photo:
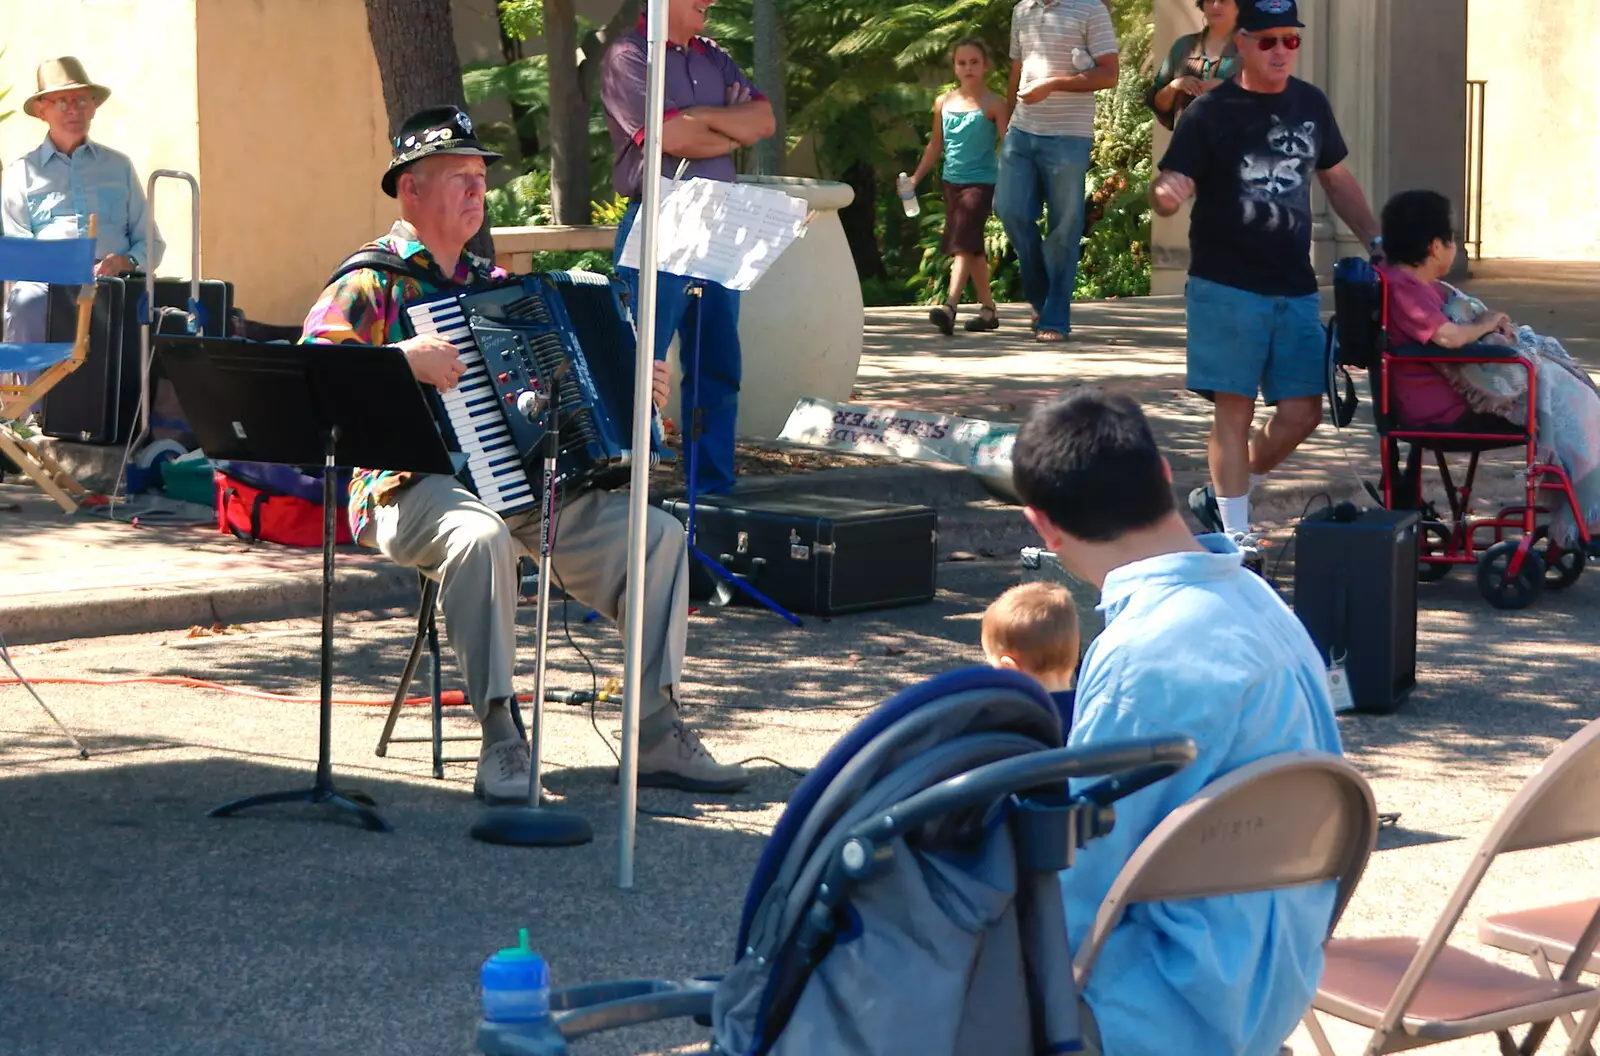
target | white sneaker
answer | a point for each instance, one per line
(503, 772)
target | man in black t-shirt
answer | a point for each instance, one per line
(1246, 151)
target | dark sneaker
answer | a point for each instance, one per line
(1203, 504)
(680, 761)
(1252, 546)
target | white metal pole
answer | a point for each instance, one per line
(639, 493)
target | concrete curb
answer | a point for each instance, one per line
(970, 519)
(94, 614)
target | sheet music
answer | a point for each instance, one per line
(727, 233)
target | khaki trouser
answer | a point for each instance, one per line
(441, 528)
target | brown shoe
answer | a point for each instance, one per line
(680, 761)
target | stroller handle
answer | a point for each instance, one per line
(1149, 758)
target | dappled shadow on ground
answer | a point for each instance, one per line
(137, 925)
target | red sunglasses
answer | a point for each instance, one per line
(1290, 41)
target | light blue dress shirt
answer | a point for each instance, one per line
(1196, 645)
(48, 194)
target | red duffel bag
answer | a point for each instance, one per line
(265, 508)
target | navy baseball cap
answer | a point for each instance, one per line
(1256, 15)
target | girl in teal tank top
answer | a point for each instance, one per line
(969, 121)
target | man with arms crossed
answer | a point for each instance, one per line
(1246, 152)
(712, 110)
(1194, 645)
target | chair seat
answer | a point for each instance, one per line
(1462, 994)
(1554, 929)
(32, 356)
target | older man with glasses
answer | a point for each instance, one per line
(52, 191)
(1246, 152)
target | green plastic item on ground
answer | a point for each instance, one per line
(189, 480)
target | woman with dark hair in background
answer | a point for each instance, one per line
(1420, 245)
(1197, 63)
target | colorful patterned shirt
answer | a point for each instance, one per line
(363, 307)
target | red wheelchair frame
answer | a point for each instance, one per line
(1520, 559)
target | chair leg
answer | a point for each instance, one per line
(1318, 1037)
(424, 622)
(436, 685)
(19, 452)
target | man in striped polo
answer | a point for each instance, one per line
(1062, 52)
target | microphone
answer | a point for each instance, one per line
(531, 405)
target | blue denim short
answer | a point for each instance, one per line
(1243, 343)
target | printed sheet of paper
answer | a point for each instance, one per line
(727, 233)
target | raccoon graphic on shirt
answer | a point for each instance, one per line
(1253, 157)
(1275, 179)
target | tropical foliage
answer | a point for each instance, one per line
(861, 79)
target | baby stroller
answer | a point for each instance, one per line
(918, 857)
(1515, 556)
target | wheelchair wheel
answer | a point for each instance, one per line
(1435, 540)
(1564, 570)
(1502, 590)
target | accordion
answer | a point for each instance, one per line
(523, 336)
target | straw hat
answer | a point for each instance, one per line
(62, 75)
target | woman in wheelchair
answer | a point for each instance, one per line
(1419, 242)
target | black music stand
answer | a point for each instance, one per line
(301, 405)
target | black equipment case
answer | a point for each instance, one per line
(99, 402)
(815, 554)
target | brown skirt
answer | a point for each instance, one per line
(966, 207)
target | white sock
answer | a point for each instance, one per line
(1256, 480)
(1235, 513)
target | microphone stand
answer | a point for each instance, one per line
(534, 825)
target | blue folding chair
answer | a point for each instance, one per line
(60, 262)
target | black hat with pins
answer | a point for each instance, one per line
(1256, 15)
(436, 130)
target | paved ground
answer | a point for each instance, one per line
(136, 926)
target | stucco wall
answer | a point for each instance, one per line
(144, 51)
(1541, 150)
(293, 140)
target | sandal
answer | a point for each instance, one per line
(1051, 337)
(944, 317)
(986, 319)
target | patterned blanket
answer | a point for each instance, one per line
(1568, 407)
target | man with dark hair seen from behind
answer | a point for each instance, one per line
(1193, 645)
(1246, 152)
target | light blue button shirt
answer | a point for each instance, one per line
(48, 194)
(1197, 645)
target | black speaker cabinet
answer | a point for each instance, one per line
(1355, 589)
(99, 402)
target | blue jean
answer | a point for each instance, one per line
(1036, 173)
(709, 393)
(1240, 342)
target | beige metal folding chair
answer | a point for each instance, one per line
(1413, 992)
(1289, 819)
(1546, 935)
(62, 262)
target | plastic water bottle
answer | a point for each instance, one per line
(515, 987)
(908, 195)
